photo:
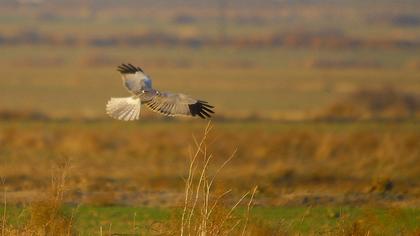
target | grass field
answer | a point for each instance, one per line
(312, 177)
(291, 220)
(290, 162)
(278, 83)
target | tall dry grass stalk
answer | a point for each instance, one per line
(203, 214)
(4, 216)
(46, 217)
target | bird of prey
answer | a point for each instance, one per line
(140, 87)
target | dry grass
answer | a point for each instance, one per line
(385, 102)
(46, 217)
(204, 212)
(368, 223)
(210, 205)
(116, 162)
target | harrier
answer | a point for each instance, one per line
(140, 87)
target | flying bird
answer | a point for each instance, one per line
(140, 86)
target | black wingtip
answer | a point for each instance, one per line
(201, 109)
(128, 69)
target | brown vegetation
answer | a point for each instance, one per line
(208, 209)
(141, 163)
(379, 103)
(204, 212)
(291, 39)
(46, 216)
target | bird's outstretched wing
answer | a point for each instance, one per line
(174, 104)
(134, 78)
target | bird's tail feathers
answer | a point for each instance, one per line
(126, 109)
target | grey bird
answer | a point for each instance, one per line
(142, 92)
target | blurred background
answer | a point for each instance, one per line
(321, 98)
(269, 59)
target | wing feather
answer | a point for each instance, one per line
(124, 108)
(176, 104)
(134, 78)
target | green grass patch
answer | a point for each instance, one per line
(124, 219)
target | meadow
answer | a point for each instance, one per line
(317, 104)
(336, 176)
(269, 83)
(91, 220)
